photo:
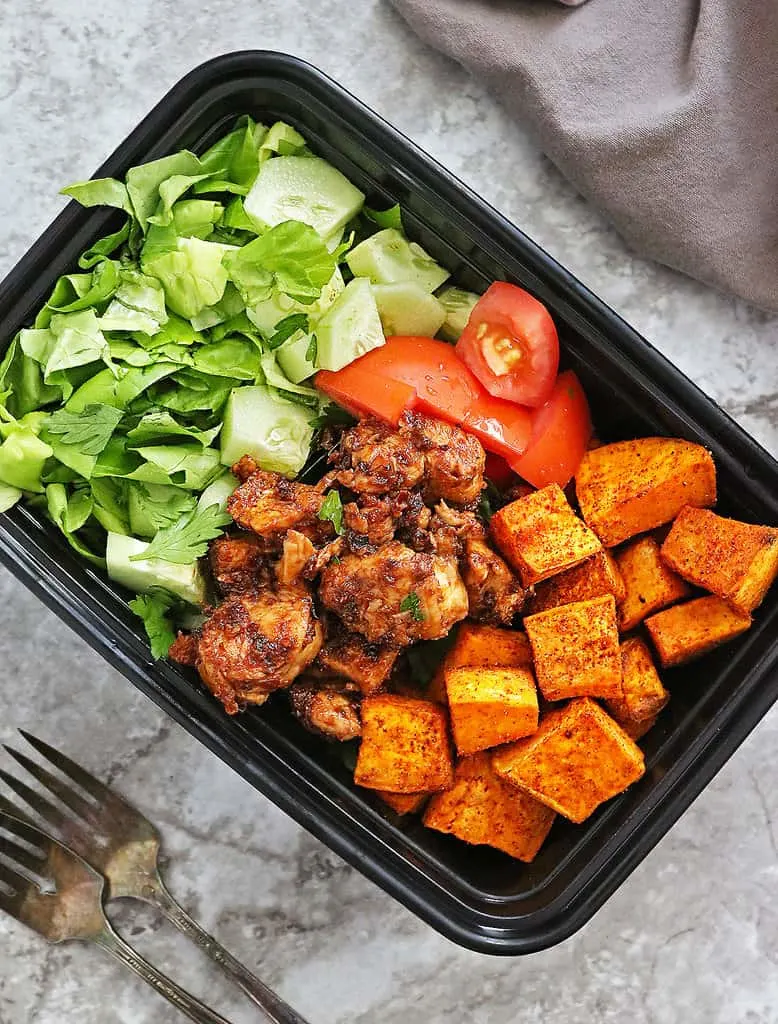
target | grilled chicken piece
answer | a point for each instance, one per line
(495, 595)
(331, 550)
(255, 643)
(297, 552)
(326, 709)
(453, 460)
(269, 504)
(184, 649)
(238, 562)
(373, 518)
(373, 458)
(351, 656)
(395, 595)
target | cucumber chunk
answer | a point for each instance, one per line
(273, 431)
(388, 257)
(185, 581)
(405, 308)
(293, 359)
(304, 188)
(350, 327)
(458, 305)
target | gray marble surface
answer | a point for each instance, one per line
(693, 934)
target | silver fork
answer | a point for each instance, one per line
(123, 846)
(53, 891)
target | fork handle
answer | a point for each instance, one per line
(179, 997)
(274, 1008)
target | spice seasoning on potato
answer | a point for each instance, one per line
(687, 631)
(578, 758)
(649, 584)
(597, 576)
(483, 646)
(737, 561)
(489, 706)
(575, 649)
(643, 695)
(631, 487)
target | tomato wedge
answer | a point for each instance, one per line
(561, 430)
(363, 393)
(499, 472)
(443, 386)
(511, 345)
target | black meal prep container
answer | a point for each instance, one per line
(476, 896)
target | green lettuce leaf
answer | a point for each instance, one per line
(187, 465)
(282, 140)
(231, 357)
(158, 425)
(291, 257)
(21, 382)
(100, 192)
(276, 378)
(8, 496)
(74, 292)
(120, 388)
(192, 275)
(195, 218)
(68, 515)
(144, 181)
(391, 218)
(104, 247)
(176, 331)
(138, 305)
(109, 504)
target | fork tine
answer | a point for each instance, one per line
(21, 856)
(26, 831)
(51, 814)
(68, 796)
(18, 883)
(74, 771)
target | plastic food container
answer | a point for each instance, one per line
(476, 896)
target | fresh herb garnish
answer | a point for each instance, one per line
(186, 540)
(285, 328)
(411, 603)
(89, 430)
(313, 350)
(153, 609)
(332, 511)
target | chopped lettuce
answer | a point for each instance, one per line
(192, 274)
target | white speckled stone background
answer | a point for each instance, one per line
(693, 935)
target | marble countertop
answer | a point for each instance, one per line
(693, 934)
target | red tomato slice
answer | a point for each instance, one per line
(499, 472)
(443, 387)
(561, 430)
(511, 345)
(361, 392)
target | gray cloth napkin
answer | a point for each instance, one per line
(663, 113)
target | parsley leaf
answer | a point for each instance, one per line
(286, 328)
(332, 510)
(313, 350)
(186, 540)
(89, 430)
(411, 603)
(153, 609)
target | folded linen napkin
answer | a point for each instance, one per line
(664, 114)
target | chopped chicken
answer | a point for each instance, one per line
(184, 649)
(495, 595)
(238, 562)
(257, 642)
(353, 657)
(321, 558)
(269, 504)
(373, 518)
(395, 595)
(373, 458)
(453, 460)
(326, 709)
(296, 554)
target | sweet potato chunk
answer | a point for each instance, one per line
(405, 746)
(643, 695)
(597, 576)
(403, 803)
(484, 646)
(687, 631)
(482, 809)
(489, 706)
(632, 486)
(737, 561)
(576, 649)
(540, 535)
(578, 758)
(650, 585)
(637, 730)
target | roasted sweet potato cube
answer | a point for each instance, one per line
(353, 657)
(737, 561)
(540, 535)
(489, 706)
(404, 803)
(637, 730)
(597, 576)
(575, 648)
(687, 631)
(649, 584)
(405, 746)
(632, 486)
(578, 758)
(482, 809)
(643, 695)
(486, 646)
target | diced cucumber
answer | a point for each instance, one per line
(405, 308)
(218, 492)
(185, 581)
(388, 257)
(458, 305)
(350, 327)
(265, 315)
(275, 432)
(293, 358)
(304, 188)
